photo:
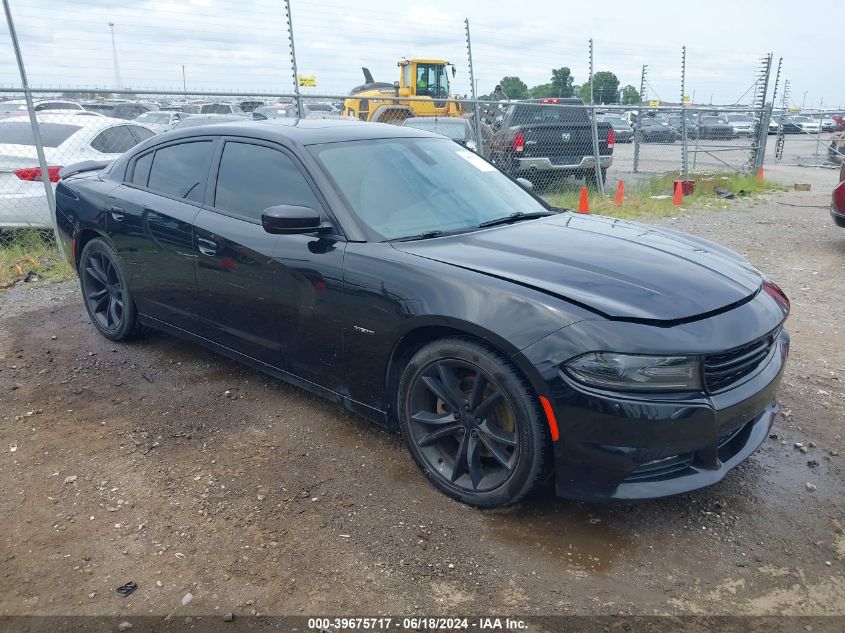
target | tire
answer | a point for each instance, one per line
(105, 293)
(485, 449)
(590, 177)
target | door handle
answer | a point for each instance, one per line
(117, 213)
(206, 247)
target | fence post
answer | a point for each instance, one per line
(476, 109)
(780, 140)
(33, 121)
(595, 131)
(760, 102)
(639, 118)
(298, 97)
(684, 149)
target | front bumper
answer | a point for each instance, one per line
(546, 164)
(837, 215)
(615, 446)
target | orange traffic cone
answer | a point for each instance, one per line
(620, 194)
(678, 198)
(584, 203)
(760, 176)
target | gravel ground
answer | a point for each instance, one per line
(160, 463)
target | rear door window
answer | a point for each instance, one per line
(252, 178)
(20, 133)
(180, 171)
(114, 140)
(141, 171)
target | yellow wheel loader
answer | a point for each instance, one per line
(427, 80)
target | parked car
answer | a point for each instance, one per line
(324, 108)
(654, 131)
(789, 126)
(279, 111)
(250, 104)
(159, 120)
(207, 119)
(23, 201)
(676, 122)
(808, 125)
(840, 122)
(131, 110)
(537, 141)
(459, 130)
(741, 124)
(837, 203)
(712, 127)
(220, 108)
(624, 132)
(56, 104)
(827, 122)
(184, 108)
(508, 341)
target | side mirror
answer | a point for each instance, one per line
(287, 219)
(526, 184)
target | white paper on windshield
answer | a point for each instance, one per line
(475, 160)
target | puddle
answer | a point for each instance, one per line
(566, 531)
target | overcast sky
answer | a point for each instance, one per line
(242, 44)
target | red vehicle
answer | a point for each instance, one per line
(840, 122)
(837, 203)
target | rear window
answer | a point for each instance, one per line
(216, 108)
(20, 133)
(534, 114)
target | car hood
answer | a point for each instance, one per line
(623, 270)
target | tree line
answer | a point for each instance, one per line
(562, 84)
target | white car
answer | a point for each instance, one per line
(807, 124)
(67, 140)
(160, 120)
(742, 124)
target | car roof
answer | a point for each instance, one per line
(303, 131)
(90, 121)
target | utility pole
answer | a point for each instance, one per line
(184, 84)
(114, 58)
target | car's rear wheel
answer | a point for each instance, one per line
(472, 423)
(107, 297)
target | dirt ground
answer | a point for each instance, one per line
(161, 463)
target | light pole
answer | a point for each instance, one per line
(184, 85)
(114, 57)
(804, 99)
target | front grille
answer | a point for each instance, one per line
(723, 370)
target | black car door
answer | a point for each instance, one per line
(149, 218)
(274, 298)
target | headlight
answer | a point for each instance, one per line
(628, 372)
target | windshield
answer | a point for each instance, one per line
(710, 120)
(803, 119)
(432, 81)
(404, 187)
(738, 118)
(454, 129)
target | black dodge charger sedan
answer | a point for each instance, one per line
(403, 276)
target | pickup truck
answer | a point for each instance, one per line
(544, 139)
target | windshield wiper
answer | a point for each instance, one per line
(515, 217)
(427, 235)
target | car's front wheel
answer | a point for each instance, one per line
(104, 290)
(472, 423)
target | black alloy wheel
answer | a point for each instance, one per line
(471, 423)
(107, 298)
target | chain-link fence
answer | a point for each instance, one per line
(526, 114)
